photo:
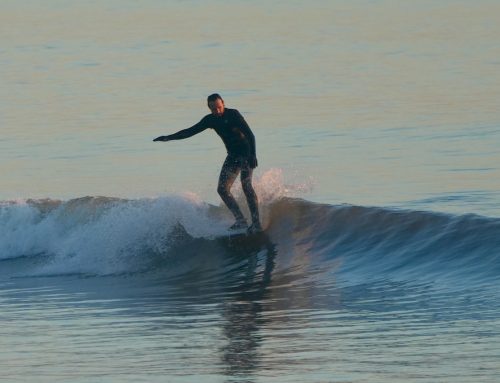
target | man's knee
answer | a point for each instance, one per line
(222, 189)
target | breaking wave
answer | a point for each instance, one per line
(97, 236)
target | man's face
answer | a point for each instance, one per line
(216, 107)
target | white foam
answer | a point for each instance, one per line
(111, 236)
(100, 235)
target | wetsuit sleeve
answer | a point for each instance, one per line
(248, 133)
(189, 132)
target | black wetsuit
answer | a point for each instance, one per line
(241, 157)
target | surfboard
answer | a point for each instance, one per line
(234, 239)
(242, 237)
(233, 233)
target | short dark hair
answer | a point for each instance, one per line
(213, 97)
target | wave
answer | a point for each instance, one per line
(379, 242)
(177, 234)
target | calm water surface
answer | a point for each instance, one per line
(374, 103)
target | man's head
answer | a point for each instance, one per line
(216, 104)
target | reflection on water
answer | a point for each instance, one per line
(243, 315)
(262, 319)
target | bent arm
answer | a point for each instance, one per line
(248, 134)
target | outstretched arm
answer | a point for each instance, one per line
(185, 133)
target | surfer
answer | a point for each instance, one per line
(239, 140)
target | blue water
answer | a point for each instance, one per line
(377, 128)
(106, 289)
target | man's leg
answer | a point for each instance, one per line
(228, 174)
(246, 184)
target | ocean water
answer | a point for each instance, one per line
(377, 127)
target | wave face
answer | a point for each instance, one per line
(107, 236)
(373, 243)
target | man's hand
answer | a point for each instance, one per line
(162, 138)
(252, 162)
